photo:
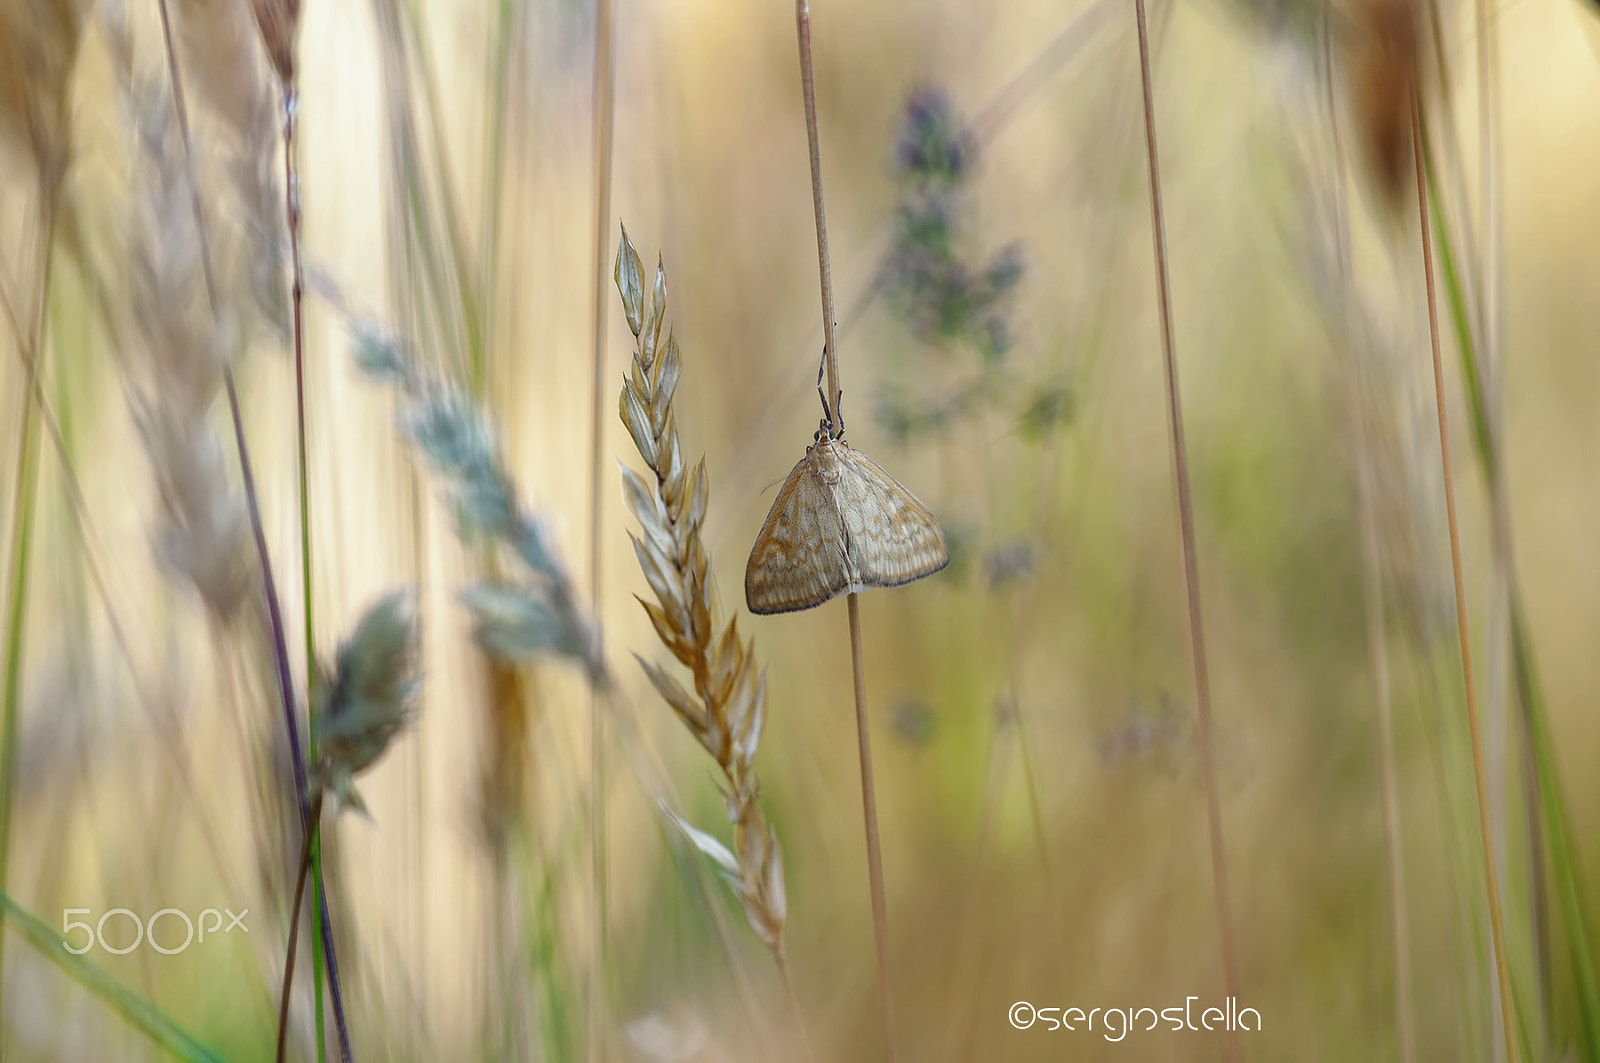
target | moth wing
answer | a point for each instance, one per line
(895, 538)
(798, 561)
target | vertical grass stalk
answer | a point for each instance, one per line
(604, 107)
(22, 514)
(1360, 396)
(280, 648)
(1495, 923)
(300, 876)
(880, 918)
(291, 213)
(1191, 574)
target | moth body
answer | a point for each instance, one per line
(840, 525)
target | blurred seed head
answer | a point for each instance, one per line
(279, 22)
(914, 721)
(514, 620)
(1155, 734)
(949, 297)
(370, 695)
(932, 143)
(1383, 75)
(39, 43)
(202, 534)
(662, 1040)
(229, 76)
(1006, 563)
(1049, 406)
(178, 352)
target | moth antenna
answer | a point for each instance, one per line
(840, 412)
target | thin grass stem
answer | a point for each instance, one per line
(22, 517)
(291, 213)
(300, 876)
(1495, 923)
(1359, 394)
(795, 1010)
(1191, 574)
(162, 715)
(880, 918)
(280, 648)
(604, 108)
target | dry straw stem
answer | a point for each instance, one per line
(726, 711)
(1496, 926)
(880, 916)
(1191, 574)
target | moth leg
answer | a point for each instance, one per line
(827, 415)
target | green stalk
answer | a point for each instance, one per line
(291, 209)
(138, 1012)
(313, 836)
(21, 551)
(1552, 806)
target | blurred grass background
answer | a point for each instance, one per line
(446, 178)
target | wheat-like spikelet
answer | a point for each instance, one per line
(515, 620)
(725, 710)
(230, 76)
(201, 533)
(39, 45)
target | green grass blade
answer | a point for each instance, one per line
(136, 1010)
(1565, 871)
(1465, 344)
(16, 618)
(1586, 979)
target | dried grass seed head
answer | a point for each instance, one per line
(39, 44)
(202, 533)
(726, 711)
(1383, 69)
(230, 76)
(279, 22)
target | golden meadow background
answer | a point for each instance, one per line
(447, 183)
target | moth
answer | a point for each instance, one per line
(839, 525)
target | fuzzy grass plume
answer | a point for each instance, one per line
(367, 697)
(361, 704)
